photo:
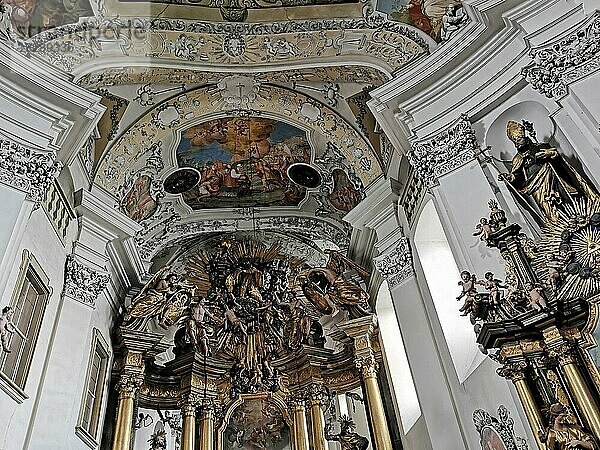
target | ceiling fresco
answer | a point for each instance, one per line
(30, 17)
(243, 162)
(434, 17)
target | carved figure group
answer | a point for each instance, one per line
(165, 299)
(326, 287)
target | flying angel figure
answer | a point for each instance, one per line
(326, 287)
(162, 298)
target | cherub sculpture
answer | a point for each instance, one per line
(484, 229)
(7, 327)
(469, 292)
(536, 296)
(165, 299)
(493, 285)
(326, 287)
(347, 437)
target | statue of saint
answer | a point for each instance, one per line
(540, 172)
(564, 434)
(348, 438)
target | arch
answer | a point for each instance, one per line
(160, 123)
(441, 273)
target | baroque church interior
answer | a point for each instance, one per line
(299, 224)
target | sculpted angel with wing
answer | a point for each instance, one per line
(326, 287)
(162, 298)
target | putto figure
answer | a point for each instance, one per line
(493, 285)
(484, 229)
(536, 297)
(469, 292)
(7, 327)
(540, 172)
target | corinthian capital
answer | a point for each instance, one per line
(367, 365)
(83, 283)
(441, 154)
(129, 384)
(27, 170)
(396, 264)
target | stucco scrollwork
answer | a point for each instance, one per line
(83, 283)
(557, 64)
(27, 170)
(397, 264)
(452, 148)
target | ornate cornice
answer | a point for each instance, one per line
(557, 64)
(396, 265)
(82, 283)
(450, 149)
(27, 170)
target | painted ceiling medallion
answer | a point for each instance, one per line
(182, 180)
(304, 175)
(243, 162)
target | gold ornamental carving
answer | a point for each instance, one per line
(129, 384)
(368, 366)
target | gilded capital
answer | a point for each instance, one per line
(129, 384)
(513, 371)
(367, 365)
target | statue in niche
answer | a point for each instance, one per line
(540, 172)
(165, 299)
(564, 433)
(326, 287)
(7, 327)
(347, 437)
(536, 296)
